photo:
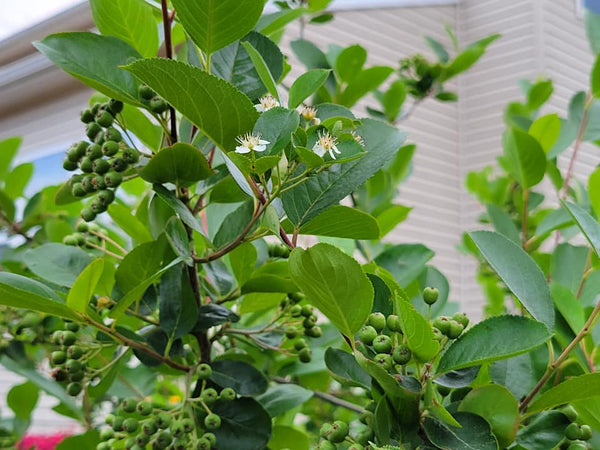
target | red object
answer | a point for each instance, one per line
(41, 442)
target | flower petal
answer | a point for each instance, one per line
(242, 149)
(259, 108)
(260, 148)
(263, 142)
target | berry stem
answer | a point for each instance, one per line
(104, 250)
(327, 397)
(108, 239)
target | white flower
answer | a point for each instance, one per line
(266, 103)
(326, 143)
(250, 142)
(357, 137)
(308, 112)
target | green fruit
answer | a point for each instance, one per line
(461, 318)
(106, 434)
(209, 396)
(300, 344)
(356, 446)
(377, 321)
(86, 165)
(291, 332)
(203, 444)
(430, 295)
(108, 420)
(87, 116)
(227, 394)
(113, 179)
(105, 119)
(73, 366)
(146, 92)
(131, 425)
(87, 214)
(326, 445)
(310, 321)
(70, 240)
(77, 190)
(210, 437)
(437, 334)
(401, 355)
(181, 443)
(296, 311)
(73, 154)
(128, 404)
(296, 297)
(366, 417)
(106, 197)
(142, 440)
(339, 431)
(586, 432)
(163, 420)
(110, 148)
(77, 376)
(95, 108)
(393, 323)
(176, 429)
(60, 375)
(73, 389)
(88, 184)
(118, 164)
(455, 329)
(97, 206)
(384, 360)
(58, 357)
(101, 166)
(75, 352)
(92, 129)
(577, 445)
(305, 355)
(367, 334)
(131, 155)
(163, 439)
(68, 338)
(98, 182)
(442, 323)
(204, 371)
(115, 106)
(112, 134)
(103, 446)
(572, 431)
(382, 344)
(93, 152)
(365, 436)
(307, 310)
(158, 105)
(314, 332)
(212, 421)
(149, 427)
(69, 165)
(82, 227)
(188, 424)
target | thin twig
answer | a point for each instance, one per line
(327, 397)
(169, 50)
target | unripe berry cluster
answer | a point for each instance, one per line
(101, 161)
(451, 327)
(82, 236)
(300, 320)
(576, 435)
(338, 432)
(390, 349)
(151, 100)
(68, 359)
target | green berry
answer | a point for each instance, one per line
(105, 119)
(74, 352)
(163, 439)
(586, 432)
(101, 166)
(144, 408)
(325, 430)
(382, 344)
(86, 165)
(573, 432)
(210, 437)
(110, 148)
(103, 446)
(326, 445)
(430, 295)
(180, 443)
(77, 190)
(73, 366)
(131, 425)
(109, 419)
(300, 344)
(384, 360)
(77, 376)
(209, 396)
(107, 434)
(115, 106)
(73, 154)
(128, 404)
(377, 321)
(98, 182)
(227, 394)
(113, 179)
(112, 134)
(339, 431)
(570, 412)
(73, 389)
(158, 105)
(94, 151)
(401, 355)
(296, 311)
(92, 129)
(146, 92)
(87, 116)
(60, 375)
(149, 427)
(577, 445)
(461, 318)
(291, 332)
(204, 371)
(296, 297)
(307, 310)
(188, 424)
(442, 323)
(163, 420)
(314, 332)
(70, 240)
(131, 155)
(212, 421)
(310, 321)
(367, 334)
(95, 108)
(437, 334)
(58, 357)
(455, 330)
(118, 164)
(68, 338)
(88, 184)
(142, 440)
(203, 444)
(305, 355)
(87, 214)
(69, 165)
(393, 323)
(106, 196)
(356, 446)
(176, 428)
(82, 227)
(97, 206)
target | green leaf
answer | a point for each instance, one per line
(503, 223)
(511, 335)
(129, 223)
(593, 188)
(545, 130)
(546, 430)
(467, 57)
(343, 222)
(345, 369)
(586, 223)
(334, 283)
(234, 224)
(282, 397)
(393, 99)
(25, 299)
(390, 217)
(309, 54)
(434, 406)
(129, 20)
(569, 306)
(405, 261)
(319, 192)
(242, 377)
(526, 158)
(233, 64)
(22, 399)
(85, 286)
(270, 24)
(8, 150)
(571, 390)
(242, 260)
(350, 62)
(519, 272)
(475, 433)
(214, 24)
(95, 60)
(363, 83)
(177, 205)
(29, 284)
(592, 28)
(178, 239)
(7, 206)
(306, 85)
(178, 311)
(498, 407)
(139, 263)
(211, 315)
(289, 438)
(17, 179)
(244, 424)
(276, 126)
(595, 78)
(438, 49)
(180, 164)
(218, 109)
(417, 330)
(89, 439)
(58, 263)
(588, 411)
(139, 124)
(567, 265)
(262, 69)
(539, 94)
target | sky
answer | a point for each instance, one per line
(21, 14)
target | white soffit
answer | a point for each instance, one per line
(339, 5)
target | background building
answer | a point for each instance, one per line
(540, 38)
